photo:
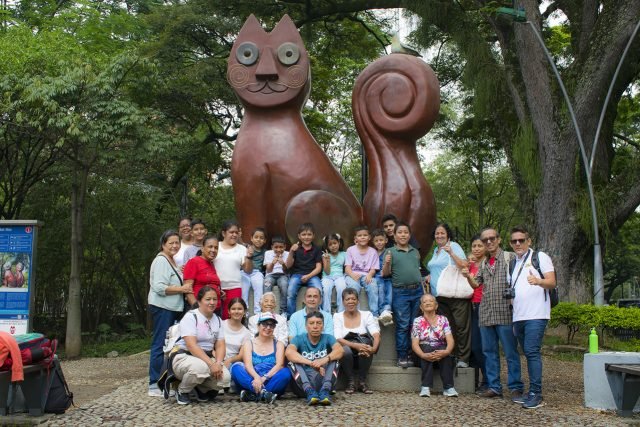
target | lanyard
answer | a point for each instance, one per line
(524, 261)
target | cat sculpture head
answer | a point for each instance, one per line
(269, 69)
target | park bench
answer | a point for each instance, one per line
(624, 380)
(34, 389)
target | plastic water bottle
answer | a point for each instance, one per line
(593, 341)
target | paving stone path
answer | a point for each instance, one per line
(128, 405)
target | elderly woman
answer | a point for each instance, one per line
(166, 302)
(268, 305)
(359, 334)
(431, 341)
(198, 363)
(457, 310)
(263, 375)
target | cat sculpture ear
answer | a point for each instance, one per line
(285, 25)
(252, 27)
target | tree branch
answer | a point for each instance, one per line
(629, 202)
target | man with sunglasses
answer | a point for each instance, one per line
(496, 317)
(531, 307)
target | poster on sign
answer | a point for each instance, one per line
(17, 254)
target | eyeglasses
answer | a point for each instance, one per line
(268, 325)
(518, 241)
(489, 239)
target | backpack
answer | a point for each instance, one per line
(59, 397)
(535, 262)
(34, 348)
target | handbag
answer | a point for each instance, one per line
(366, 339)
(452, 284)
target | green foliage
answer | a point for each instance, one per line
(582, 317)
(621, 260)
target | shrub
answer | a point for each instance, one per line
(582, 317)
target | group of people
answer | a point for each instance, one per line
(210, 277)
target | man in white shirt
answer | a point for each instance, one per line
(531, 307)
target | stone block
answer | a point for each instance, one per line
(597, 390)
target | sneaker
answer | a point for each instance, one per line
(269, 398)
(425, 392)
(533, 401)
(462, 364)
(517, 396)
(403, 363)
(324, 397)
(312, 398)
(410, 362)
(450, 392)
(490, 393)
(386, 318)
(182, 398)
(247, 396)
(154, 391)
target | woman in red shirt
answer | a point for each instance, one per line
(199, 270)
(478, 255)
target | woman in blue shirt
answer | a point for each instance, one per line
(457, 310)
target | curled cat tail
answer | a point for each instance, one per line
(396, 100)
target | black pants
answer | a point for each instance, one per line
(458, 312)
(445, 365)
(352, 363)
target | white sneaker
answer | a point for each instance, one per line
(462, 364)
(450, 392)
(425, 392)
(386, 318)
(154, 391)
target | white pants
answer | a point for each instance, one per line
(192, 371)
(254, 280)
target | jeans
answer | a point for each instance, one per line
(477, 357)
(295, 281)
(405, 305)
(530, 334)
(491, 335)
(282, 282)
(328, 283)
(370, 288)
(384, 293)
(276, 384)
(254, 280)
(163, 319)
(446, 366)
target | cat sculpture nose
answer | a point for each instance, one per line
(266, 69)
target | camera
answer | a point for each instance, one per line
(509, 293)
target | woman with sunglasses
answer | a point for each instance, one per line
(262, 374)
(457, 310)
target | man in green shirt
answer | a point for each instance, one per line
(403, 263)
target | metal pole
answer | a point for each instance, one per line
(598, 283)
(606, 100)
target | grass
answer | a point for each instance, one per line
(124, 347)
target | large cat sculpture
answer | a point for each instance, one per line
(281, 176)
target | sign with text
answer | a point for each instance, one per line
(17, 261)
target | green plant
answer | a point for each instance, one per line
(581, 317)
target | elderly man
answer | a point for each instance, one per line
(297, 322)
(496, 317)
(531, 277)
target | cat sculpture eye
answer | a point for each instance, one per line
(288, 53)
(247, 53)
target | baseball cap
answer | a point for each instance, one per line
(267, 317)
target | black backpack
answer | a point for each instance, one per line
(59, 397)
(535, 261)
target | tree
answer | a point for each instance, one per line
(505, 67)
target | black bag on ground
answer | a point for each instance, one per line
(59, 397)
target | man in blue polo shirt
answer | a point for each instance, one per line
(298, 320)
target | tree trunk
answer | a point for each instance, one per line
(73, 341)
